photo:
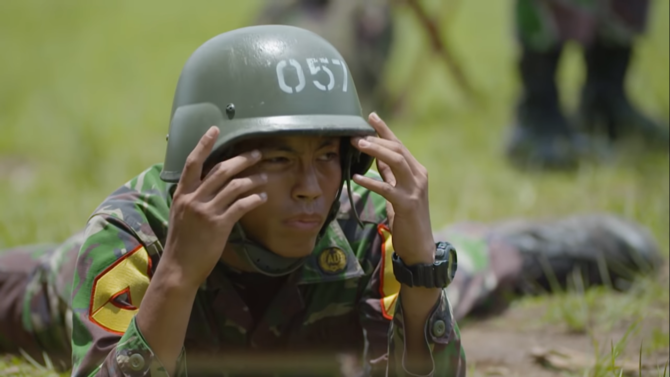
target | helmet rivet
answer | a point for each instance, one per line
(230, 110)
(167, 137)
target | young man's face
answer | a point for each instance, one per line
(303, 176)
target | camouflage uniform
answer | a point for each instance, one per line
(342, 301)
(340, 308)
(35, 287)
(543, 24)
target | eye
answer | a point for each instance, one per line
(329, 156)
(276, 160)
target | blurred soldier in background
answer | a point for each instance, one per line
(543, 136)
(362, 30)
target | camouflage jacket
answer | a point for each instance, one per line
(542, 24)
(339, 313)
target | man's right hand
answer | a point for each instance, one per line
(204, 210)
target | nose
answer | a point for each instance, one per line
(307, 185)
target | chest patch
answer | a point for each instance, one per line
(332, 260)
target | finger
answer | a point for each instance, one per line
(242, 206)
(382, 188)
(224, 171)
(386, 173)
(380, 126)
(190, 175)
(394, 160)
(234, 189)
(399, 147)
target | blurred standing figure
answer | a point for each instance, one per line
(606, 29)
(362, 30)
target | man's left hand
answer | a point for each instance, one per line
(405, 188)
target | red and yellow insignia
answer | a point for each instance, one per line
(118, 291)
(389, 287)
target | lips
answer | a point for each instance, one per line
(305, 222)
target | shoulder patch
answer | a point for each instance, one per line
(118, 291)
(389, 287)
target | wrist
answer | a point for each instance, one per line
(422, 255)
(420, 272)
(171, 276)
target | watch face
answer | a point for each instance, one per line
(446, 252)
(452, 263)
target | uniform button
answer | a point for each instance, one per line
(136, 362)
(439, 328)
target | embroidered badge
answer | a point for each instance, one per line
(332, 260)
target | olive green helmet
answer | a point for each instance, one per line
(260, 81)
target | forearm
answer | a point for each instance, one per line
(417, 305)
(164, 314)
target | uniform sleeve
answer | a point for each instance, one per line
(383, 325)
(113, 272)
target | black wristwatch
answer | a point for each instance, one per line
(436, 275)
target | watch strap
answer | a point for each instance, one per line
(437, 275)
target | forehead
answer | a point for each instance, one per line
(295, 142)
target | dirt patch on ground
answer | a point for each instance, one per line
(504, 345)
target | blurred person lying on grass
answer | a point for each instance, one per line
(264, 244)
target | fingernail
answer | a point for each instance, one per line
(264, 177)
(375, 117)
(211, 131)
(263, 195)
(256, 154)
(363, 143)
(356, 176)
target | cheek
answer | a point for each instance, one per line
(262, 216)
(330, 180)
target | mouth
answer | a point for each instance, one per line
(305, 222)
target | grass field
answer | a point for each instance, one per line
(85, 96)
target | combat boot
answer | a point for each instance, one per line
(605, 109)
(542, 137)
(602, 249)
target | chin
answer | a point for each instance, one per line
(293, 249)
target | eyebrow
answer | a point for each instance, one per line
(280, 145)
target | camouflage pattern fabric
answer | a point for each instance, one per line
(361, 30)
(344, 309)
(342, 301)
(542, 24)
(35, 296)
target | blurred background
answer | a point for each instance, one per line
(86, 91)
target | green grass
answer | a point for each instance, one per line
(86, 91)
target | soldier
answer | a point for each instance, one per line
(542, 135)
(230, 249)
(362, 30)
(298, 262)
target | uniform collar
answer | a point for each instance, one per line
(332, 259)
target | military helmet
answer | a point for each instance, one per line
(260, 81)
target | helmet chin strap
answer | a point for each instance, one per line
(260, 258)
(268, 263)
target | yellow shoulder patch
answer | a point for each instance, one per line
(389, 287)
(118, 291)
